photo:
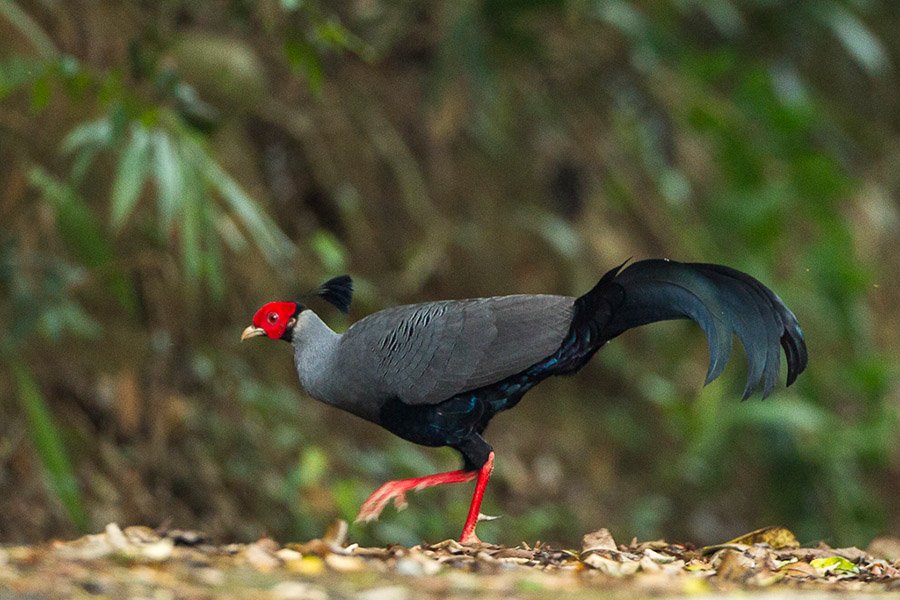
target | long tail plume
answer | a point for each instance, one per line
(723, 301)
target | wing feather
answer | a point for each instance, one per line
(427, 353)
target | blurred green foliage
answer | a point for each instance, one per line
(167, 169)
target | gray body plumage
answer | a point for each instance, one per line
(426, 353)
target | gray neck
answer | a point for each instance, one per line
(315, 350)
(328, 373)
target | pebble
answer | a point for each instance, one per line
(157, 551)
(297, 590)
(393, 592)
(115, 537)
(89, 547)
(344, 564)
(611, 567)
(287, 555)
(417, 567)
(210, 576)
(260, 557)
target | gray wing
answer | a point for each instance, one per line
(427, 353)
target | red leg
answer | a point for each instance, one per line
(468, 533)
(396, 491)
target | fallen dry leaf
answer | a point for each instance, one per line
(887, 548)
(142, 562)
(834, 564)
(732, 565)
(800, 569)
(775, 537)
(601, 539)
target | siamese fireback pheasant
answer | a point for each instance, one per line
(436, 373)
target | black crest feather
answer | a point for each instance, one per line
(337, 292)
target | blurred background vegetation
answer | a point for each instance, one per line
(169, 166)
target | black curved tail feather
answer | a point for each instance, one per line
(722, 300)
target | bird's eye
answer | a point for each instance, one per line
(272, 317)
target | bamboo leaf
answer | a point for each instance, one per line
(330, 251)
(273, 243)
(857, 39)
(230, 234)
(85, 142)
(130, 176)
(190, 233)
(169, 177)
(47, 442)
(29, 29)
(93, 133)
(82, 162)
(17, 71)
(213, 268)
(303, 59)
(41, 92)
(81, 232)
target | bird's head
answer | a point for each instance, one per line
(276, 320)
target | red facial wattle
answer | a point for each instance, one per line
(274, 318)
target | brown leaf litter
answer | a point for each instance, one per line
(142, 562)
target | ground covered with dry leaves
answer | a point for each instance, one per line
(139, 562)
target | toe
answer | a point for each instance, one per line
(371, 509)
(400, 501)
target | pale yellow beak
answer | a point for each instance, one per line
(252, 332)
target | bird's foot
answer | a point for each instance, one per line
(471, 539)
(468, 533)
(396, 491)
(378, 501)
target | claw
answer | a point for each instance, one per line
(484, 517)
(364, 517)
